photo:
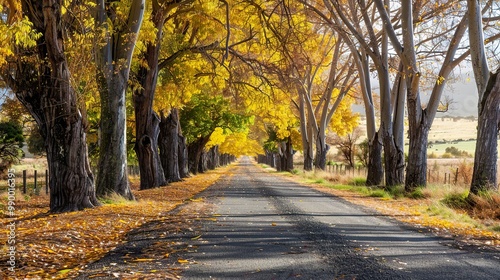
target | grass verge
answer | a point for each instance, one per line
(436, 208)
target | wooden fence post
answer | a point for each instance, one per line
(35, 181)
(456, 176)
(24, 181)
(46, 181)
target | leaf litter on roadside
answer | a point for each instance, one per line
(57, 246)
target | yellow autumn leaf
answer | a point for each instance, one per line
(143, 260)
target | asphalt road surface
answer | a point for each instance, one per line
(269, 228)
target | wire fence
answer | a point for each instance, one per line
(36, 182)
(451, 175)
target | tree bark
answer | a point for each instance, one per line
(416, 171)
(195, 152)
(321, 151)
(484, 176)
(146, 148)
(45, 90)
(183, 159)
(169, 145)
(146, 120)
(375, 173)
(113, 58)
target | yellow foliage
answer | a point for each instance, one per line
(239, 144)
(344, 120)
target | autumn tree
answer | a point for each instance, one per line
(38, 73)
(199, 119)
(173, 32)
(298, 54)
(119, 23)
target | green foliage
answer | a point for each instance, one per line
(320, 181)
(416, 194)
(456, 200)
(203, 114)
(358, 181)
(379, 193)
(36, 143)
(11, 142)
(456, 152)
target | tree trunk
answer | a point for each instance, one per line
(416, 171)
(169, 145)
(146, 148)
(393, 160)
(321, 151)
(45, 90)
(112, 170)
(195, 152)
(375, 173)
(113, 57)
(213, 158)
(146, 120)
(183, 159)
(289, 155)
(484, 176)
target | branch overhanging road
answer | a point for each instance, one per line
(268, 228)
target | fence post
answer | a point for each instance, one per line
(456, 176)
(24, 181)
(46, 181)
(35, 181)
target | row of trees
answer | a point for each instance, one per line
(401, 44)
(227, 72)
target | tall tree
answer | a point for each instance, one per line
(359, 19)
(42, 81)
(175, 31)
(200, 118)
(484, 175)
(362, 62)
(113, 57)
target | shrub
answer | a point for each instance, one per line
(358, 181)
(447, 155)
(465, 169)
(486, 205)
(457, 201)
(417, 194)
(379, 193)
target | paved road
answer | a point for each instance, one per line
(267, 228)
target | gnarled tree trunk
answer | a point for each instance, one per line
(484, 176)
(169, 145)
(195, 152)
(46, 91)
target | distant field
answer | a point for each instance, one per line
(454, 132)
(452, 129)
